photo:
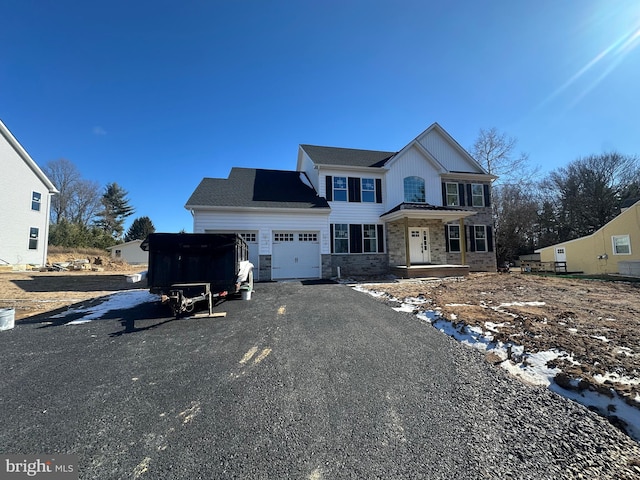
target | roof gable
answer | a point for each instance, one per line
(22, 153)
(442, 150)
(346, 157)
(249, 187)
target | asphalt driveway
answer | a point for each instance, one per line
(303, 381)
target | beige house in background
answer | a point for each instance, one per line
(613, 249)
(130, 252)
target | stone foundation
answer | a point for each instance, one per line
(360, 264)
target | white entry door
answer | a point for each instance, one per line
(419, 245)
(561, 254)
(295, 255)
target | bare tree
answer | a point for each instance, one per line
(495, 151)
(78, 200)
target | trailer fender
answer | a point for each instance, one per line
(245, 272)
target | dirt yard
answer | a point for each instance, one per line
(598, 322)
(32, 292)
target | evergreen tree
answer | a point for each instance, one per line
(115, 209)
(139, 229)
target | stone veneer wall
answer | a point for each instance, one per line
(477, 261)
(397, 247)
(360, 264)
(265, 268)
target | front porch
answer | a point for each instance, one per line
(424, 271)
(418, 243)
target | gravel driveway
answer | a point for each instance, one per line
(303, 381)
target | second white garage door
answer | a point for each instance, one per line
(295, 255)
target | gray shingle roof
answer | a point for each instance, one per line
(350, 157)
(250, 187)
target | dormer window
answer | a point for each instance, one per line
(414, 190)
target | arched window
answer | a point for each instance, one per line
(414, 190)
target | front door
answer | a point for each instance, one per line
(561, 254)
(419, 246)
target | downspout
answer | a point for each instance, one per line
(463, 243)
(47, 223)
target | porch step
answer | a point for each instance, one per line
(421, 271)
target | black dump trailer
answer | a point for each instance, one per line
(186, 268)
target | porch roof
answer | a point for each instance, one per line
(425, 211)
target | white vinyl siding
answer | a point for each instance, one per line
(17, 216)
(412, 163)
(264, 223)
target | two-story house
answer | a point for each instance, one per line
(422, 211)
(25, 201)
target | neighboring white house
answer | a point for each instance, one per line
(25, 202)
(130, 252)
(422, 211)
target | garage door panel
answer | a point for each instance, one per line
(295, 255)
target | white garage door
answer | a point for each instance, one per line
(295, 255)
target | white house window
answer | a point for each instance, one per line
(341, 238)
(454, 238)
(414, 190)
(307, 237)
(370, 238)
(340, 189)
(480, 236)
(34, 232)
(368, 190)
(477, 195)
(283, 237)
(452, 195)
(621, 245)
(118, 253)
(36, 199)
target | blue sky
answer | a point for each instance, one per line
(156, 95)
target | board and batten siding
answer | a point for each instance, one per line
(17, 184)
(449, 156)
(265, 223)
(412, 163)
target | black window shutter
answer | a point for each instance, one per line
(444, 194)
(487, 197)
(355, 238)
(378, 190)
(380, 239)
(354, 189)
(472, 238)
(461, 193)
(469, 197)
(446, 238)
(489, 239)
(329, 187)
(331, 236)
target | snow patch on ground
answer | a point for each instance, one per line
(115, 301)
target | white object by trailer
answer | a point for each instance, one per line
(295, 255)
